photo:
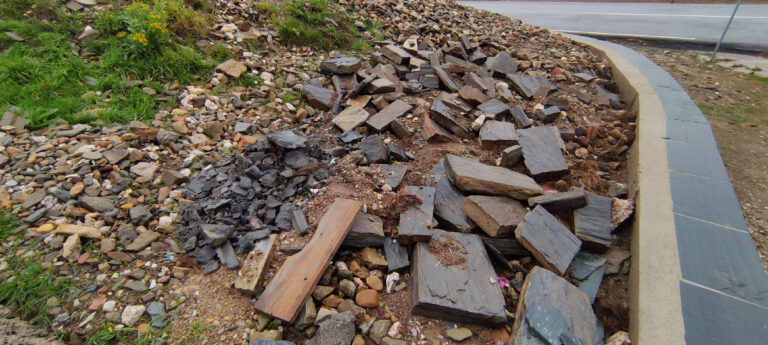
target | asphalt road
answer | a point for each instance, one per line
(685, 23)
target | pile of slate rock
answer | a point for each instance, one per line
(244, 199)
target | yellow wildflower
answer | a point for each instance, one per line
(139, 37)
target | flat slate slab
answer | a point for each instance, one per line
(396, 253)
(416, 221)
(381, 120)
(553, 245)
(350, 118)
(563, 201)
(394, 174)
(434, 133)
(367, 231)
(442, 115)
(543, 289)
(592, 223)
(374, 149)
(521, 119)
(541, 153)
(446, 79)
(318, 97)
(497, 135)
(498, 216)
(396, 54)
(472, 176)
(494, 108)
(448, 201)
(460, 293)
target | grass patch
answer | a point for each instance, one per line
(29, 288)
(322, 24)
(8, 222)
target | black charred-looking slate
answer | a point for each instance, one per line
(541, 153)
(318, 97)
(509, 247)
(367, 231)
(503, 64)
(460, 293)
(381, 120)
(396, 254)
(472, 176)
(563, 201)
(448, 201)
(544, 288)
(287, 139)
(521, 119)
(592, 223)
(416, 221)
(494, 109)
(553, 245)
(394, 174)
(496, 135)
(399, 153)
(440, 113)
(374, 149)
(446, 79)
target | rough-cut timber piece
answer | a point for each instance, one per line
(366, 231)
(286, 293)
(544, 288)
(461, 293)
(509, 247)
(592, 223)
(396, 54)
(381, 120)
(399, 129)
(442, 115)
(496, 215)
(250, 276)
(557, 202)
(521, 119)
(397, 254)
(448, 201)
(416, 221)
(502, 65)
(350, 118)
(374, 149)
(445, 78)
(472, 176)
(318, 97)
(553, 245)
(496, 135)
(472, 95)
(541, 153)
(433, 133)
(511, 156)
(494, 109)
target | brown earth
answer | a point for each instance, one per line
(736, 105)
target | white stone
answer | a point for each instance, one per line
(132, 314)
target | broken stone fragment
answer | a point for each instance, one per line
(511, 156)
(503, 64)
(366, 231)
(563, 201)
(374, 149)
(396, 54)
(341, 65)
(232, 68)
(494, 109)
(496, 135)
(440, 113)
(350, 118)
(472, 176)
(553, 245)
(541, 153)
(497, 216)
(318, 97)
(592, 223)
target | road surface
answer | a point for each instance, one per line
(689, 23)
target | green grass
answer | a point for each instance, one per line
(29, 288)
(8, 222)
(193, 333)
(322, 24)
(107, 334)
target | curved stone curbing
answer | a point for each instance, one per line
(696, 277)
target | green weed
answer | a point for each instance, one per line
(187, 17)
(318, 23)
(8, 222)
(193, 333)
(29, 288)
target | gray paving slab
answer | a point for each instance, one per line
(707, 199)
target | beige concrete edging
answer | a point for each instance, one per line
(656, 316)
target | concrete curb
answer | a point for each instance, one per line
(696, 277)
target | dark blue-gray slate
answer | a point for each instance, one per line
(546, 323)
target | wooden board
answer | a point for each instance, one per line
(542, 287)
(553, 245)
(496, 215)
(285, 295)
(416, 221)
(541, 153)
(460, 293)
(250, 276)
(592, 223)
(381, 120)
(472, 176)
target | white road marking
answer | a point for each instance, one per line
(623, 35)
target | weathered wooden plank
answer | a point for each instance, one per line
(497, 135)
(251, 275)
(496, 215)
(396, 253)
(543, 289)
(553, 245)
(461, 292)
(564, 201)
(448, 201)
(592, 223)
(286, 293)
(474, 177)
(381, 120)
(541, 153)
(416, 221)
(442, 115)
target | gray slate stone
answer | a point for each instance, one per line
(563, 201)
(216, 234)
(287, 139)
(374, 149)
(338, 329)
(367, 231)
(341, 65)
(318, 97)
(541, 153)
(448, 201)
(592, 223)
(98, 204)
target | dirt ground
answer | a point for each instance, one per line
(736, 105)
